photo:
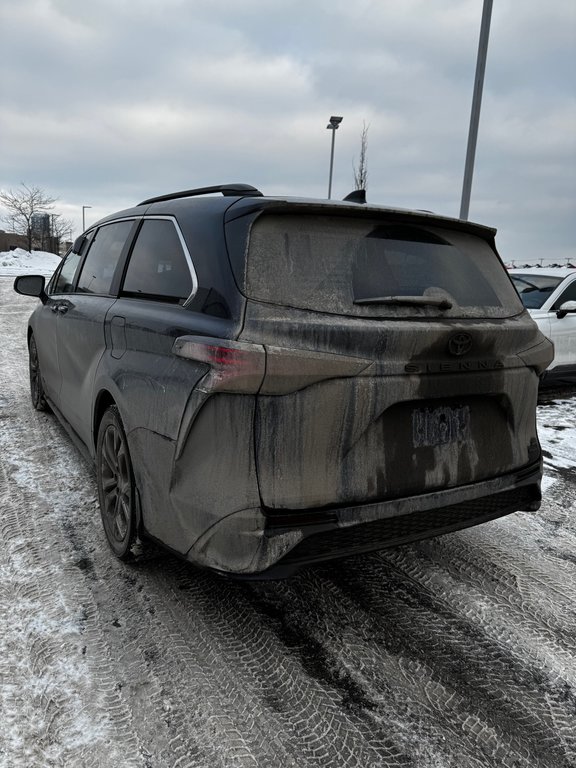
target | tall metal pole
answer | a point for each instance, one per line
(476, 104)
(83, 216)
(331, 163)
(335, 121)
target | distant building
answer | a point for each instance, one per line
(9, 241)
(43, 238)
(40, 223)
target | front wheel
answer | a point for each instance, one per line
(116, 487)
(36, 386)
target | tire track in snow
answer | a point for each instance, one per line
(397, 678)
(224, 650)
(68, 712)
(497, 693)
(65, 701)
(453, 653)
(532, 594)
(274, 683)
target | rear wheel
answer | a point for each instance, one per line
(36, 387)
(116, 487)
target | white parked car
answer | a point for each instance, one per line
(549, 294)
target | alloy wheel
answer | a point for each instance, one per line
(116, 485)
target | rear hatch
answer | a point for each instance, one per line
(399, 358)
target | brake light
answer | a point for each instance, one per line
(234, 366)
(240, 366)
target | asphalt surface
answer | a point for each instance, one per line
(457, 652)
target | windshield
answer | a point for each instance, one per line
(367, 268)
(534, 289)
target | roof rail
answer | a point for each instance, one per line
(228, 190)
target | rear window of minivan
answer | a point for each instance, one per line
(367, 268)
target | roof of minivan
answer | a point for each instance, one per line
(234, 206)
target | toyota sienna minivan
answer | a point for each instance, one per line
(269, 382)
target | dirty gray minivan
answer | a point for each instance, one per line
(295, 380)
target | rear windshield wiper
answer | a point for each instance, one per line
(419, 301)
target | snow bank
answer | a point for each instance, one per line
(20, 262)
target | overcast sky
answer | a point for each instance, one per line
(107, 102)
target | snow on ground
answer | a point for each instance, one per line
(21, 262)
(557, 430)
(456, 652)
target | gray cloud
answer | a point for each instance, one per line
(105, 103)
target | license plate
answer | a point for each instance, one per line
(440, 426)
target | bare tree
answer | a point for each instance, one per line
(62, 228)
(24, 206)
(361, 172)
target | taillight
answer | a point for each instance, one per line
(234, 366)
(539, 356)
(240, 366)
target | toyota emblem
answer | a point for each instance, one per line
(460, 344)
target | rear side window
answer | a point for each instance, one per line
(370, 269)
(102, 259)
(158, 267)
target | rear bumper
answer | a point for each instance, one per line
(263, 544)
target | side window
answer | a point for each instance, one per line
(69, 265)
(158, 267)
(102, 259)
(65, 280)
(569, 294)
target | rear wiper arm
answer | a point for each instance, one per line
(420, 301)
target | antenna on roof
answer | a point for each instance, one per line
(357, 196)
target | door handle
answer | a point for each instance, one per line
(60, 308)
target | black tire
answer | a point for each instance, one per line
(116, 487)
(36, 386)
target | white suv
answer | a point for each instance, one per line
(549, 294)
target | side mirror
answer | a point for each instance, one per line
(568, 306)
(79, 244)
(31, 285)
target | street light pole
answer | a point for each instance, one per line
(476, 104)
(83, 216)
(333, 125)
(331, 162)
